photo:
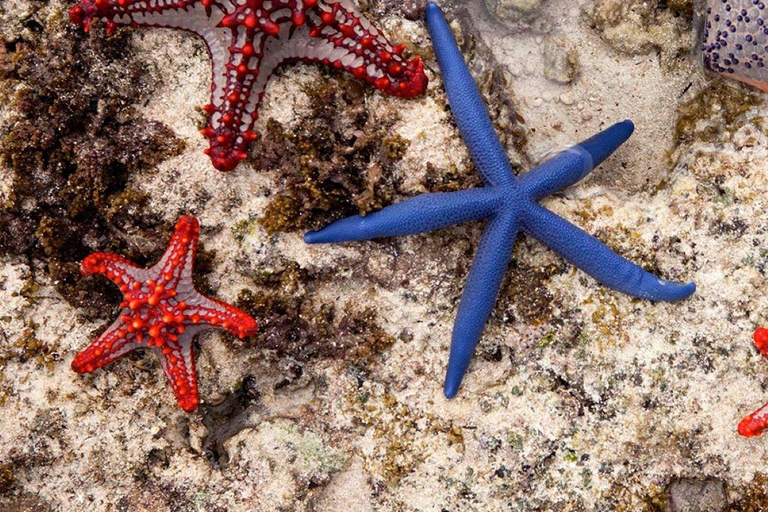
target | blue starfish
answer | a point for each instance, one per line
(508, 203)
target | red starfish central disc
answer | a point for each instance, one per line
(163, 311)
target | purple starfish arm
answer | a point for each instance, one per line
(570, 166)
(480, 292)
(596, 259)
(420, 214)
(467, 105)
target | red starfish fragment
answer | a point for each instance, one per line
(248, 39)
(754, 424)
(161, 310)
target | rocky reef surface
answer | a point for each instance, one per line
(579, 398)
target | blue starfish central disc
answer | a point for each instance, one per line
(509, 204)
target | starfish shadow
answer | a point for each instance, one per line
(508, 204)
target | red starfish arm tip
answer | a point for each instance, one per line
(223, 316)
(233, 110)
(761, 340)
(179, 257)
(187, 229)
(369, 55)
(179, 365)
(112, 344)
(112, 266)
(754, 424)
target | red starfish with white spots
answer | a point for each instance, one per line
(754, 424)
(161, 310)
(248, 39)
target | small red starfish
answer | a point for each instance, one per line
(248, 39)
(161, 310)
(755, 423)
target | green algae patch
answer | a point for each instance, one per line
(313, 455)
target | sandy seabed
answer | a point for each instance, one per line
(580, 398)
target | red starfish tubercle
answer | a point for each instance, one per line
(248, 39)
(161, 310)
(754, 424)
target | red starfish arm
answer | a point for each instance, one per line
(112, 344)
(166, 13)
(754, 424)
(178, 362)
(221, 315)
(342, 37)
(114, 267)
(175, 267)
(240, 74)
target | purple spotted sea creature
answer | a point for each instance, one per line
(735, 40)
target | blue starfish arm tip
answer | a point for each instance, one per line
(597, 259)
(312, 237)
(467, 104)
(479, 295)
(679, 291)
(451, 388)
(601, 145)
(432, 9)
(570, 166)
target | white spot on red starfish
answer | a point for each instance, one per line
(161, 310)
(248, 39)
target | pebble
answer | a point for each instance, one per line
(691, 495)
(515, 10)
(561, 60)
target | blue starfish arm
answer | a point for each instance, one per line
(575, 163)
(426, 212)
(479, 297)
(467, 105)
(596, 259)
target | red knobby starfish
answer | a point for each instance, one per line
(161, 310)
(755, 423)
(248, 39)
